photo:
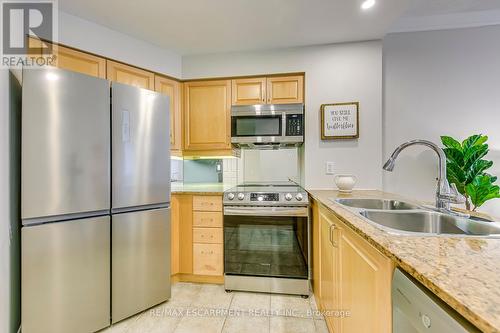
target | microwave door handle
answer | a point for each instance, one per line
(266, 211)
(283, 125)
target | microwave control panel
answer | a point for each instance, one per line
(295, 125)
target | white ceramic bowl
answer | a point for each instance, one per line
(345, 183)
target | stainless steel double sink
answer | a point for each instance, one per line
(405, 218)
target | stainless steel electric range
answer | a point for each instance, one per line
(267, 238)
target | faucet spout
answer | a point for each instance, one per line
(389, 165)
(445, 194)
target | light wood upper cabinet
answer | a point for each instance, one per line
(285, 89)
(207, 115)
(248, 91)
(268, 90)
(80, 62)
(172, 89)
(130, 75)
(73, 60)
(354, 277)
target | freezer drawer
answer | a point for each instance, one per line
(65, 143)
(140, 261)
(65, 276)
(141, 147)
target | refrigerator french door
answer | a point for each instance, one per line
(65, 202)
(140, 200)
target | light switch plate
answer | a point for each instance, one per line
(330, 168)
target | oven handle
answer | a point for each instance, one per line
(267, 211)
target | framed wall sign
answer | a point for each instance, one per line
(340, 121)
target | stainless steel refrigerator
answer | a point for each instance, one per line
(140, 200)
(95, 193)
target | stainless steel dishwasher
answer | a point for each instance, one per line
(415, 309)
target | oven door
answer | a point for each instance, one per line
(266, 241)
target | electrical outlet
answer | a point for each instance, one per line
(330, 168)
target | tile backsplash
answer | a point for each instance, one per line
(253, 166)
(203, 171)
(230, 171)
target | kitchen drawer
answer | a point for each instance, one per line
(207, 259)
(210, 203)
(207, 235)
(207, 219)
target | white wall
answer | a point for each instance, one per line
(334, 73)
(91, 37)
(439, 83)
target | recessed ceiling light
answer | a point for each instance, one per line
(367, 4)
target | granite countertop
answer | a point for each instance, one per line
(463, 271)
(200, 188)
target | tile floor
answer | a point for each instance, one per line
(207, 308)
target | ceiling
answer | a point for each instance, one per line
(209, 26)
(442, 7)
(212, 26)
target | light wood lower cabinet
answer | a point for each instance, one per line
(207, 219)
(207, 259)
(197, 238)
(207, 203)
(354, 279)
(329, 273)
(207, 235)
(181, 234)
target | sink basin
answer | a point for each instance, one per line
(381, 204)
(428, 222)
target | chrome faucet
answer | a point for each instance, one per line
(445, 194)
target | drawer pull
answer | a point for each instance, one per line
(203, 236)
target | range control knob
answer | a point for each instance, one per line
(241, 196)
(230, 196)
(299, 197)
(288, 197)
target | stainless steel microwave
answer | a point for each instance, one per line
(267, 126)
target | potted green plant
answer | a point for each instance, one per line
(467, 169)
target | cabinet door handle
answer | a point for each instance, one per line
(330, 234)
(332, 228)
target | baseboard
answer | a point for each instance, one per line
(197, 278)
